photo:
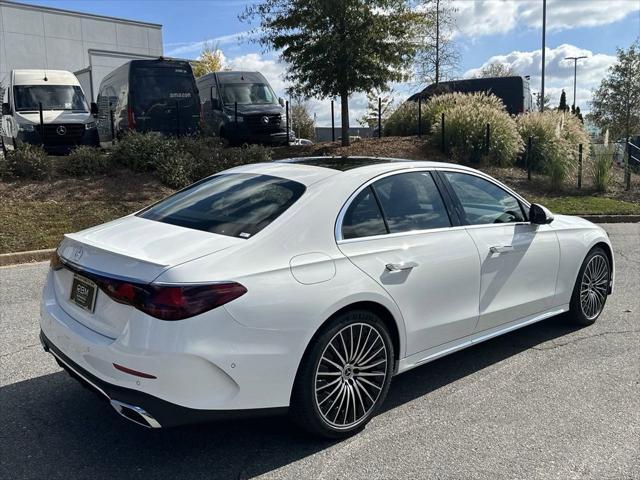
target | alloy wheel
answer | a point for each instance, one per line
(594, 286)
(350, 375)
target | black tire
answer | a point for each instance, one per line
(361, 369)
(3, 149)
(586, 313)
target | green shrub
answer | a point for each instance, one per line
(465, 129)
(555, 137)
(189, 159)
(141, 152)
(85, 160)
(403, 121)
(28, 161)
(602, 166)
(175, 170)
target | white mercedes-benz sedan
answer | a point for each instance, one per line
(306, 285)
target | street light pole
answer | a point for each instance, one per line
(575, 73)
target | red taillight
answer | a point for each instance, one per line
(171, 302)
(131, 118)
(201, 112)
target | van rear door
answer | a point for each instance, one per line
(164, 99)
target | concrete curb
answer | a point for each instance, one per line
(25, 257)
(612, 218)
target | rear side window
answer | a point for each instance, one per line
(232, 204)
(411, 201)
(363, 217)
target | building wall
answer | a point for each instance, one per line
(40, 37)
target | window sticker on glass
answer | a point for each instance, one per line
(180, 95)
(67, 105)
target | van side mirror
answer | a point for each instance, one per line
(6, 109)
(94, 109)
(281, 102)
(539, 215)
(215, 104)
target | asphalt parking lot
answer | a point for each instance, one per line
(547, 402)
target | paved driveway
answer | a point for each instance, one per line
(547, 401)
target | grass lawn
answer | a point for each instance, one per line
(34, 225)
(586, 205)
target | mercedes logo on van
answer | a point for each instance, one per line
(77, 253)
(265, 120)
(61, 130)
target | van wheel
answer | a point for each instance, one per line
(3, 149)
(344, 376)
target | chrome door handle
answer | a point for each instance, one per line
(502, 249)
(397, 267)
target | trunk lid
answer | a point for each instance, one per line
(131, 249)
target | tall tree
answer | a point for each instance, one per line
(370, 117)
(616, 103)
(210, 60)
(438, 57)
(334, 48)
(563, 107)
(496, 69)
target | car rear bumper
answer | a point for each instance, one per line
(198, 369)
(142, 408)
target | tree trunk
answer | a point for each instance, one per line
(344, 100)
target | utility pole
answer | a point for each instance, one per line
(437, 42)
(575, 73)
(544, 47)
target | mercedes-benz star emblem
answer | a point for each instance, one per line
(61, 130)
(265, 120)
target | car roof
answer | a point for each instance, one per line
(309, 170)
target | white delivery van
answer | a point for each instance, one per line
(46, 107)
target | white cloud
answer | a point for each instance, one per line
(559, 72)
(191, 49)
(488, 17)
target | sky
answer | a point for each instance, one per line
(508, 31)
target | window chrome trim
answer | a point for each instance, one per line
(338, 225)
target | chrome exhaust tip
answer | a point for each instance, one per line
(135, 414)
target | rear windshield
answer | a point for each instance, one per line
(159, 87)
(233, 204)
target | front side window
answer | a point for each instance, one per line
(52, 97)
(232, 204)
(411, 201)
(484, 202)
(363, 217)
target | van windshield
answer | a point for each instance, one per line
(52, 97)
(233, 204)
(248, 94)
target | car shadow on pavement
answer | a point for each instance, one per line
(54, 428)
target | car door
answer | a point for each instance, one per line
(397, 230)
(519, 260)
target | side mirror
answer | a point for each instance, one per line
(94, 109)
(281, 102)
(6, 109)
(215, 104)
(539, 215)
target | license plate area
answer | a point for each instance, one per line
(83, 292)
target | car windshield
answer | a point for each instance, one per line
(248, 94)
(232, 204)
(52, 97)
